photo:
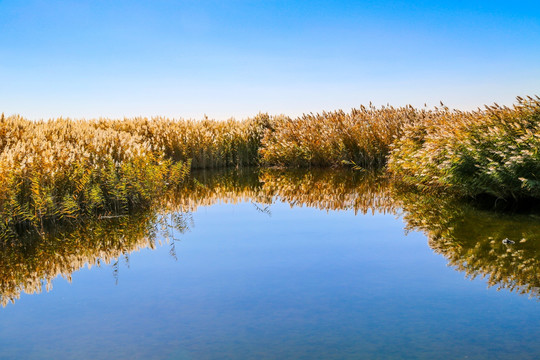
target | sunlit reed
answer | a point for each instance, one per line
(66, 170)
(494, 152)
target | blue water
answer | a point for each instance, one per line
(293, 283)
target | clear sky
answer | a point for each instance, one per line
(236, 58)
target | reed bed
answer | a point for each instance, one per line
(493, 152)
(69, 169)
(64, 170)
(205, 143)
(361, 137)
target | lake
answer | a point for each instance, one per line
(270, 264)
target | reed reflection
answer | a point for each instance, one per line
(30, 262)
(339, 189)
(504, 249)
(470, 239)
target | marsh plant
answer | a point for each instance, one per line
(494, 152)
(362, 137)
(205, 143)
(66, 170)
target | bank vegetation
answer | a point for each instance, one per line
(66, 170)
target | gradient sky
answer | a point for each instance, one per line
(236, 58)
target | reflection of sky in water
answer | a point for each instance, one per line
(301, 283)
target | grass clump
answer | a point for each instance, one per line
(362, 137)
(493, 152)
(66, 170)
(206, 143)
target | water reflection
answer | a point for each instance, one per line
(470, 239)
(31, 261)
(504, 249)
(363, 192)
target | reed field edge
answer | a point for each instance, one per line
(64, 169)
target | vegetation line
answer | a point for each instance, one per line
(64, 170)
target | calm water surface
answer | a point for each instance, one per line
(276, 266)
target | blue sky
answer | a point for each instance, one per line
(236, 58)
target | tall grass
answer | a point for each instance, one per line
(362, 136)
(206, 143)
(494, 152)
(66, 170)
(69, 169)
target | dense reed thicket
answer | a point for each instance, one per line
(362, 137)
(66, 169)
(493, 152)
(206, 143)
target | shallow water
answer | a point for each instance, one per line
(279, 265)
